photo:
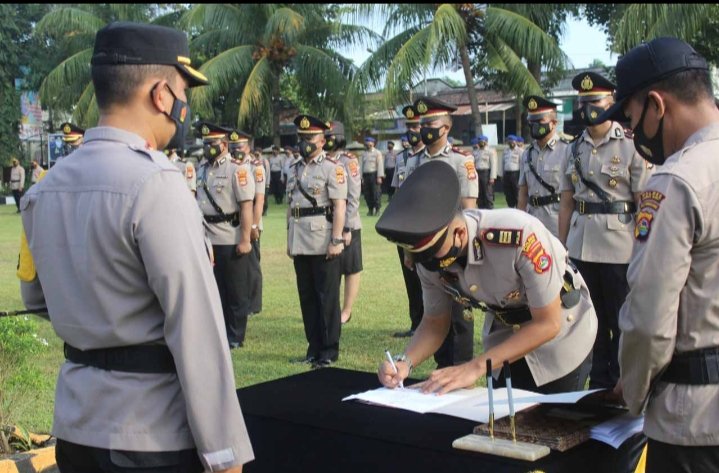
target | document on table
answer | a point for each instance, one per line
(617, 430)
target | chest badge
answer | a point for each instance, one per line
(612, 183)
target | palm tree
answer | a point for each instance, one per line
(251, 47)
(431, 37)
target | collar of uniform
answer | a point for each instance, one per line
(708, 133)
(443, 152)
(419, 151)
(550, 144)
(108, 133)
(220, 159)
(316, 160)
(475, 252)
(615, 132)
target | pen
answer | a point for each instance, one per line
(491, 398)
(508, 380)
(391, 362)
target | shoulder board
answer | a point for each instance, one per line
(332, 160)
(568, 140)
(502, 236)
(461, 151)
(628, 133)
(257, 162)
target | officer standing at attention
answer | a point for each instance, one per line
(317, 191)
(372, 166)
(72, 136)
(485, 161)
(185, 167)
(543, 164)
(351, 257)
(133, 394)
(240, 152)
(458, 346)
(670, 320)
(510, 170)
(17, 181)
(36, 172)
(539, 314)
(390, 163)
(600, 189)
(276, 161)
(225, 192)
(292, 157)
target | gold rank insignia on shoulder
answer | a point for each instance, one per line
(421, 107)
(587, 83)
(304, 123)
(532, 104)
(205, 130)
(66, 129)
(500, 236)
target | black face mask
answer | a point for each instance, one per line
(212, 151)
(429, 135)
(306, 148)
(589, 114)
(436, 264)
(539, 130)
(651, 149)
(237, 153)
(181, 115)
(414, 137)
(330, 144)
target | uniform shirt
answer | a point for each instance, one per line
(187, 170)
(276, 162)
(17, 178)
(486, 159)
(36, 174)
(511, 158)
(260, 177)
(354, 190)
(405, 166)
(673, 302)
(462, 164)
(105, 228)
(325, 180)
(286, 165)
(550, 163)
(372, 161)
(229, 184)
(390, 159)
(614, 165)
(266, 165)
(529, 272)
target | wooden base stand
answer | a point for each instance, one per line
(501, 447)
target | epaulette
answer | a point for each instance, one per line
(332, 160)
(257, 162)
(569, 140)
(461, 151)
(502, 236)
(236, 161)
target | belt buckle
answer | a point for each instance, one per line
(533, 201)
(296, 212)
(581, 207)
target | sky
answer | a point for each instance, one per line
(581, 42)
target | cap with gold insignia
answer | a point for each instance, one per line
(307, 125)
(210, 131)
(418, 220)
(71, 133)
(538, 106)
(238, 136)
(411, 116)
(592, 86)
(123, 42)
(334, 136)
(430, 108)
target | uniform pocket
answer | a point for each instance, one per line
(613, 223)
(613, 170)
(317, 225)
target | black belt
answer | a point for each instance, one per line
(16, 181)
(512, 316)
(298, 212)
(132, 359)
(222, 218)
(694, 367)
(535, 201)
(621, 207)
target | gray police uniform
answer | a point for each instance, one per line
(390, 165)
(372, 166)
(514, 263)
(485, 161)
(187, 170)
(462, 164)
(542, 171)
(510, 174)
(309, 234)
(600, 234)
(228, 184)
(17, 183)
(111, 277)
(351, 258)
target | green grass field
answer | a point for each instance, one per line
(273, 337)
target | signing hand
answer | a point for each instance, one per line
(455, 377)
(388, 377)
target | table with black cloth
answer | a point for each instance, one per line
(300, 424)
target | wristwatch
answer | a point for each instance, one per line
(336, 241)
(406, 359)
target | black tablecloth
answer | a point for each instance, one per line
(300, 423)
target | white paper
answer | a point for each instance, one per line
(617, 430)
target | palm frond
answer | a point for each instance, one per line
(67, 79)
(82, 114)
(517, 77)
(284, 23)
(136, 12)
(446, 33)
(223, 71)
(406, 66)
(171, 19)
(256, 94)
(214, 41)
(68, 21)
(337, 35)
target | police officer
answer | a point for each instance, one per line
(510, 170)
(17, 181)
(317, 192)
(668, 348)
(292, 157)
(351, 257)
(372, 165)
(485, 161)
(538, 311)
(225, 191)
(186, 168)
(36, 171)
(105, 229)
(276, 161)
(543, 164)
(412, 285)
(72, 136)
(600, 188)
(435, 124)
(240, 152)
(390, 163)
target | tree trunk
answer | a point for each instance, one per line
(471, 91)
(276, 109)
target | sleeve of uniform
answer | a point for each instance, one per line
(243, 183)
(493, 164)
(337, 182)
(435, 300)
(354, 184)
(669, 220)
(468, 182)
(522, 171)
(164, 219)
(395, 176)
(567, 171)
(640, 172)
(380, 164)
(260, 179)
(191, 176)
(536, 265)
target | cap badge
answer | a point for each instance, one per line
(409, 114)
(421, 107)
(66, 129)
(532, 105)
(205, 130)
(304, 123)
(234, 136)
(587, 83)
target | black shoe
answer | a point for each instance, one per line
(406, 334)
(321, 364)
(235, 345)
(308, 360)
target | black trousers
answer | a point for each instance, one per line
(522, 378)
(607, 284)
(255, 279)
(458, 346)
(486, 191)
(276, 186)
(510, 183)
(318, 284)
(74, 458)
(666, 458)
(17, 195)
(371, 190)
(233, 274)
(387, 182)
(414, 292)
